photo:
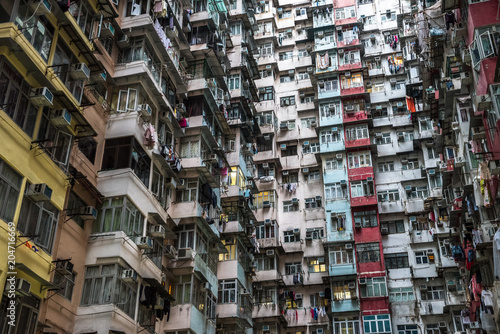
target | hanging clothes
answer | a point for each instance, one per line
(410, 104)
(496, 255)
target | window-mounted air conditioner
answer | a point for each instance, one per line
(157, 231)
(41, 7)
(129, 275)
(107, 30)
(23, 287)
(123, 41)
(348, 246)
(39, 192)
(145, 110)
(265, 165)
(64, 267)
(80, 71)
(42, 97)
(144, 242)
(60, 118)
(298, 296)
(88, 213)
(160, 303)
(339, 156)
(270, 252)
(296, 231)
(351, 285)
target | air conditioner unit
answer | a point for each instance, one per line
(157, 231)
(339, 156)
(351, 285)
(475, 325)
(64, 267)
(107, 30)
(408, 188)
(295, 200)
(80, 71)
(266, 204)
(335, 129)
(310, 70)
(320, 34)
(446, 241)
(298, 27)
(455, 126)
(318, 198)
(413, 218)
(42, 97)
(348, 246)
(123, 41)
(343, 183)
(459, 162)
(266, 328)
(384, 230)
(321, 83)
(267, 222)
(423, 287)
(60, 118)
(170, 252)
(369, 179)
(88, 213)
(39, 192)
(283, 146)
(340, 51)
(378, 135)
(186, 253)
(285, 172)
(298, 296)
(313, 124)
(357, 225)
(129, 275)
(41, 7)
(23, 287)
(144, 242)
(320, 331)
(399, 104)
(270, 252)
(431, 171)
(182, 184)
(349, 107)
(404, 161)
(296, 231)
(160, 303)
(284, 126)
(267, 137)
(306, 143)
(244, 292)
(265, 165)
(348, 73)
(393, 81)
(376, 58)
(362, 281)
(291, 73)
(305, 171)
(145, 110)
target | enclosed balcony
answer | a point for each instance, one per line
(323, 18)
(355, 111)
(352, 84)
(324, 40)
(363, 192)
(328, 88)
(348, 37)
(357, 136)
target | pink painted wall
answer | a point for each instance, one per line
(481, 14)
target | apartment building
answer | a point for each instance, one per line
(247, 166)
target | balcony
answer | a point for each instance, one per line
(346, 305)
(352, 90)
(234, 310)
(323, 20)
(421, 236)
(414, 205)
(327, 94)
(321, 3)
(364, 200)
(269, 275)
(351, 66)
(332, 146)
(354, 143)
(354, 42)
(356, 116)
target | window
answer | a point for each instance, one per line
(396, 261)
(314, 233)
(359, 159)
(119, 214)
(314, 175)
(285, 55)
(338, 221)
(290, 236)
(346, 325)
(425, 124)
(432, 329)
(368, 252)
(107, 44)
(375, 287)
(380, 111)
(266, 49)
(284, 14)
(290, 178)
(306, 122)
(265, 262)
(103, 285)
(262, 172)
(311, 148)
(341, 290)
(10, 187)
(88, 147)
(312, 203)
(234, 81)
(231, 253)
(410, 164)
(331, 109)
(227, 292)
(388, 195)
(361, 188)
(267, 94)
(329, 136)
(190, 193)
(303, 53)
(289, 206)
(265, 295)
(40, 219)
(435, 181)
(408, 329)
(266, 231)
(183, 289)
(185, 236)
(14, 97)
(483, 46)
(418, 192)
(433, 293)
(316, 265)
(262, 7)
(431, 153)
(339, 255)
(26, 308)
(285, 79)
(303, 76)
(377, 324)
(401, 294)
(396, 226)
(386, 166)
(235, 28)
(57, 143)
(287, 101)
(74, 204)
(421, 257)
(360, 132)
(333, 163)
(307, 99)
(127, 152)
(37, 29)
(329, 85)
(289, 151)
(293, 268)
(400, 84)
(388, 17)
(355, 80)
(65, 283)
(263, 199)
(335, 191)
